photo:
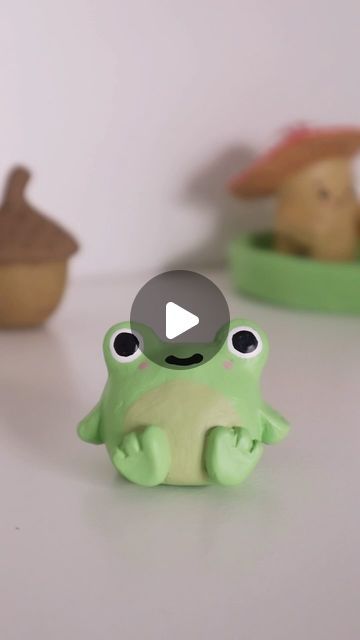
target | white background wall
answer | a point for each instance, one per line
(131, 112)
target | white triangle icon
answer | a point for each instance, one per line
(178, 320)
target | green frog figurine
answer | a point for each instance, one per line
(189, 414)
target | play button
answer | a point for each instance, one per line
(178, 320)
(183, 310)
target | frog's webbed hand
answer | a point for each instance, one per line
(274, 426)
(144, 457)
(89, 428)
(230, 454)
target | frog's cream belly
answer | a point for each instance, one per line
(186, 411)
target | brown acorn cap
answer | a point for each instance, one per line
(300, 147)
(26, 235)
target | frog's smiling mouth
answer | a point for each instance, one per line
(196, 358)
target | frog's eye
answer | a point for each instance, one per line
(126, 345)
(244, 342)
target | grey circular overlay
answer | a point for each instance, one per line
(171, 302)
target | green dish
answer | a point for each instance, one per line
(293, 281)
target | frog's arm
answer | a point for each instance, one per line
(89, 429)
(274, 426)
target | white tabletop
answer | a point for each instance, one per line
(86, 555)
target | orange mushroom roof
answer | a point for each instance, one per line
(298, 148)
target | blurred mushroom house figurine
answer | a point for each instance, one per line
(34, 253)
(184, 424)
(310, 172)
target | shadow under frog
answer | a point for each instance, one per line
(189, 414)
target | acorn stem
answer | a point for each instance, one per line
(15, 187)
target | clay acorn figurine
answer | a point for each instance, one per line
(318, 214)
(34, 253)
(178, 424)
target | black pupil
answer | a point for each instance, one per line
(125, 344)
(244, 341)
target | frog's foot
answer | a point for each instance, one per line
(144, 458)
(230, 454)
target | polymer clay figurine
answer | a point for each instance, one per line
(195, 421)
(34, 255)
(318, 214)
